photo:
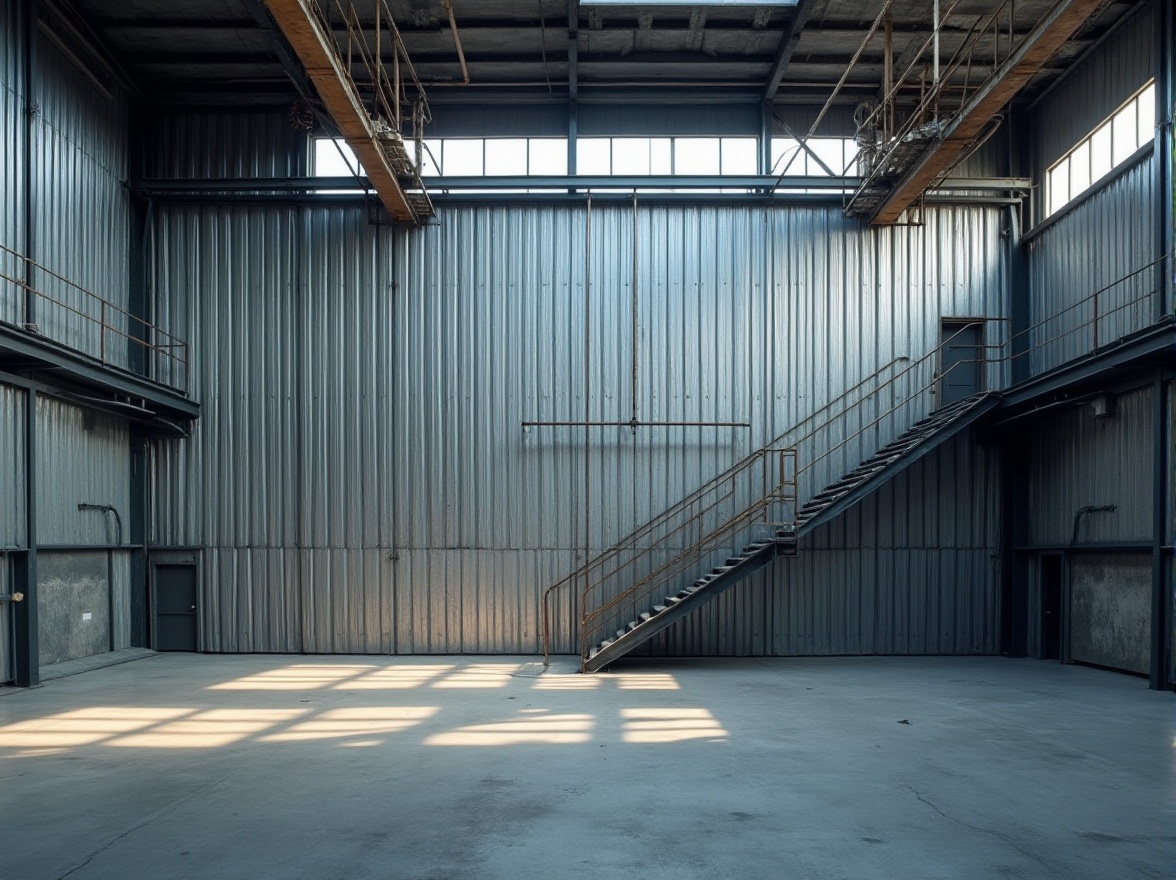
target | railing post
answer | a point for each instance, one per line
(1094, 326)
(102, 332)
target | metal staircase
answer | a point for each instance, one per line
(745, 517)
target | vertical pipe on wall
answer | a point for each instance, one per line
(580, 589)
(765, 142)
(1161, 601)
(29, 35)
(634, 330)
(1165, 144)
(25, 623)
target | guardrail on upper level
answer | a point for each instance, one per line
(90, 325)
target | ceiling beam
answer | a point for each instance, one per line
(317, 52)
(787, 47)
(1058, 25)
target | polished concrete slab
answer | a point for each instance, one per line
(438, 768)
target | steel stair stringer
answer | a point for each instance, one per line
(873, 473)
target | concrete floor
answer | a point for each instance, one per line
(441, 768)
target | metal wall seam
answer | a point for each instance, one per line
(425, 517)
(12, 162)
(12, 467)
(224, 145)
(1103, 241)
(83, 457)
(1080, 460)
(120, 599)
(80, 139)
(1093, 91)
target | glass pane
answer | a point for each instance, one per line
(630, 156)
(784, 150)
(463, 157)
(661, 156)
(1080, 168)
(333, 158)
(549, 156)
(830, 151)
(1147, 115)
(696, 155)
(1100, 152)
(740, 155)
(1125, 130)
(1059, 185)
(506, 156)
(431, 158)
(852, 150)
(593, 156)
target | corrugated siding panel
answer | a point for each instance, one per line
(12, 467)
(120, 599)
(1079, 460)
(425, 518)
(1092, 91)
(913, 569)
(250, 600)
(12, 162)
(216, 145)
(80, 148)
(1102, 241)
(82, 457)
(230, 282)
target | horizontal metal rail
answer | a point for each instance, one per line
(161, 343)
(669, 527)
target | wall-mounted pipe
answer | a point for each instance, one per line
(108, 508)
(1082, 511)
(465, 71)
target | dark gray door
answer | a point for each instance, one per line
(961, 361)
(175, 607)
(6, 664)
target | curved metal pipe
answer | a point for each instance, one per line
(1082, 511)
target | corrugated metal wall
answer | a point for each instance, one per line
(79, 148)
(82, 457)
(1092, 91)
(410, 511)
(218, 145)
(80, 155)
(1079, 460)
(1111, 234)
(12, 467)
(12, 161)
(913, 569)
(1109, 237)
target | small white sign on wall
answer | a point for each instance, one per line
(86, 615)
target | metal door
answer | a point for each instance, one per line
(1051, 606)
(961, 360)
(175, 607)
(6, 664)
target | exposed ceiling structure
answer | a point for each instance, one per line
(224, 52)
(928, 94)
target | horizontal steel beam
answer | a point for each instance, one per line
(317, 51)
(79, 372)
(1140, 350)
(965, 126)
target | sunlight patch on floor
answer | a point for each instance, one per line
(297, 677)
(209, 729)
(81, 727)
(671, 725)
(479, 675)
(395, 678)
(533, 729)
(366, 722)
